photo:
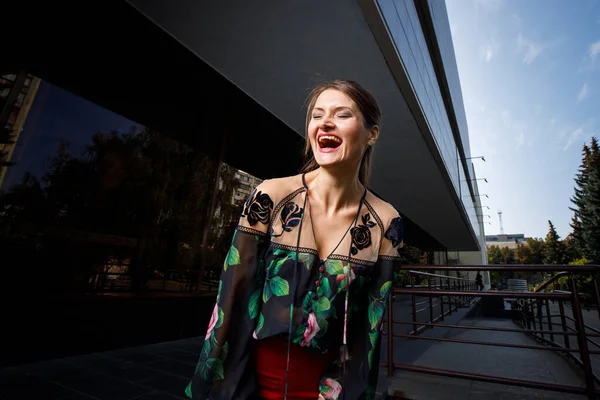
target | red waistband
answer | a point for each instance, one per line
(306, 369)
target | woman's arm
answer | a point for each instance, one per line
(227, 345)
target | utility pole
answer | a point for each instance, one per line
(501, 226)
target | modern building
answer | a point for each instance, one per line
(510, 240)
(246, 185)
(17, 92)
(219, 81)
(241, 71)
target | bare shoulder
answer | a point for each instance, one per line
(279, 188)
(393, 224)
(385, 210)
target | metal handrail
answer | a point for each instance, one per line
(462, 290)
(439, 276)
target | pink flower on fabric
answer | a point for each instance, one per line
(335, 389)
(213, 321)
(312, 328)
(351, 276)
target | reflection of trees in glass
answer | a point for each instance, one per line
(140, 185)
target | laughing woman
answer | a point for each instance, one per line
(308, 275)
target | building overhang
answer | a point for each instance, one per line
(199, 69)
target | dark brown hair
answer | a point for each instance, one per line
(370, 112)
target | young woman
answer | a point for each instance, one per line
(307, 278)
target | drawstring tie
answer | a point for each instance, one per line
(347, 273)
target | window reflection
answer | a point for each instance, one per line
(93, 202)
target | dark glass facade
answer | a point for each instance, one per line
(402, 20)
(98, 212)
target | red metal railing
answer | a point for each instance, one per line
(455, 292)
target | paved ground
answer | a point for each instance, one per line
(161, 371)
(156, 372)
(536, 365)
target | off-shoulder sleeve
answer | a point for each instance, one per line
(220, 372)
(367, 304)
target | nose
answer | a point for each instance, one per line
(326, 124)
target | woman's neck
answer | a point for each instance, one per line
(334, 191)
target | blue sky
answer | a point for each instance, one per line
(530, 77)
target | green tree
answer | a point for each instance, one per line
(537, 250)
(586, 204)
(523, 254)
(578, 199)
(571, 249)
(508, 255)
(554, 252)
(494, 255)
(410, 255)
(138, 184)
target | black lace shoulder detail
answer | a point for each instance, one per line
(361, 234)
(258, 208)
(291, 215)
(395, 232)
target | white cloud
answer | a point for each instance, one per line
(590, 60)
(520, 139)
(594, 49)
(489, 53)
(489, 50)
(571, 134)
(583, 93)
(530, 49)
(491, 5)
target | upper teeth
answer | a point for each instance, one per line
(334, 138)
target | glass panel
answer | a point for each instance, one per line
(411, 44)
(93, 202)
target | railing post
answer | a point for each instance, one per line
(540, 316)
(455, 298)
(582, 340)
(597, 292)
(531, 315)
(430, 303)
(449, 297)
(549, 319)
(563, 320)
(391, 335)
(441, 301)
(414, 313)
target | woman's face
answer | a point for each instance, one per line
(337, 131)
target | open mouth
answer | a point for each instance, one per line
(329, 142)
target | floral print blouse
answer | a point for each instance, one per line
(274, 284)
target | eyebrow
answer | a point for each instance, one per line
(336, 109)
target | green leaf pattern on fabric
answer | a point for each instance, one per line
(375, 313)
(334, 267)
(307, 259)
(279, 286)
(385, 289)
(233, 258)
(259, 326)
(324, 289)
(254, 303)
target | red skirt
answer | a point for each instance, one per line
(306, 369)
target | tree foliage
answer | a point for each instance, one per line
(553, 247)
(140, 185)
(586, 204)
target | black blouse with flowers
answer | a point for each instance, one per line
(274, 284)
